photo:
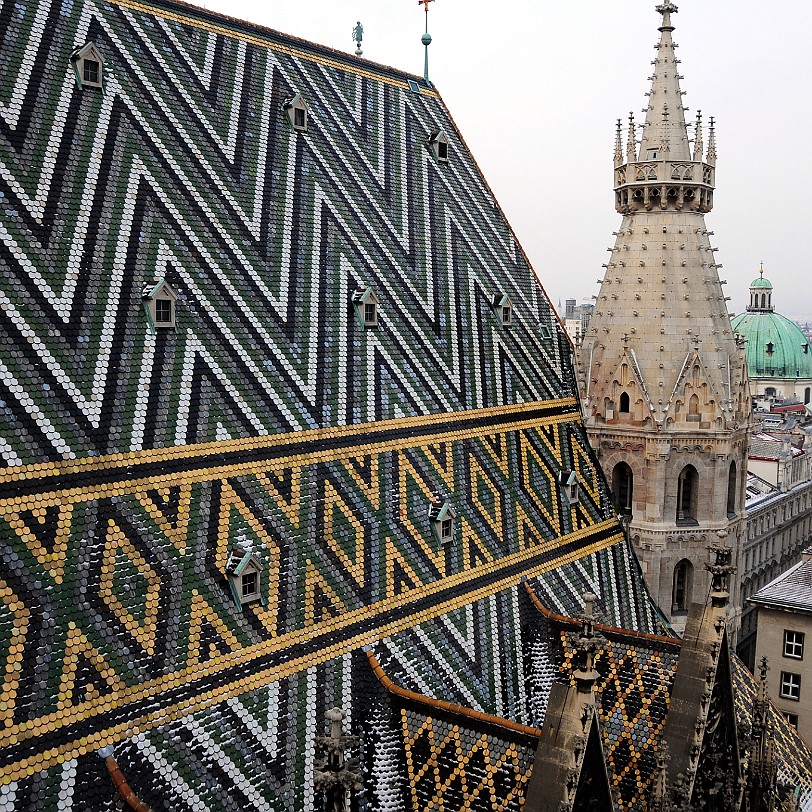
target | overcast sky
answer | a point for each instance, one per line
(536, 86)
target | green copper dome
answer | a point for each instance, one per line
(776, 347)
(761, 282)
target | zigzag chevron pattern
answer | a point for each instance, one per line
(137, 463)
(257, 228)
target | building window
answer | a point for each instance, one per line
(88, 66)
(807, 393)
(687, 494)
(244, 570)
(682, 586)
(790, 686)
(297, 112)
(160, 305)
(570, 485)
(438, 146)
(503, 308)
(794, 644)
(622, 488)
(792, 718)
(625, 404)
(770, 348)
(366, 306)
(731, 490)
(250, 585)
(442, 516)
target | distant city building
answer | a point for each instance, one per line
(779, 526)
(779, 358)
(784, 637)
(576, 318)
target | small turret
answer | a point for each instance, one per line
(665, 173)
(618, 146)
(712, 143)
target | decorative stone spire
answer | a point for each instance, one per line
(712, 143)
(665, 94)
(631, 145)
(618, 146)
(699, 145)
(662, 376)
(336, 775)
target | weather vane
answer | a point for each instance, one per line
(357, 36)
(426, 39)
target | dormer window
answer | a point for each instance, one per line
(570, 484)
(244, 570)
(159, 304)
(770, 348)
(653, 154)
(88, 66)
(366, 307)
(442, 516)
(438, 145)
(504, 309)
(297, 112)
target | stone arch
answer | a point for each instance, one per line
(623, 488)
(625, 406)
(693, 405)
(682, 586)
(687, 495)
(732, 481)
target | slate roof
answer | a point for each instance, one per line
(137, 461)
(791, 590)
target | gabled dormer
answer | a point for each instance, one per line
(88, 66)
(297, 111)
(365, 303)
(442, 517)
(503, 308)
(160, 304)
(438, 146)
(570, 486)
(244, 571)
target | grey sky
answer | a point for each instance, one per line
(536, 88)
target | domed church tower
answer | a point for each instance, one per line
(663, 379)
(779, 358)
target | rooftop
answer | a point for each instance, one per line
(792, 590)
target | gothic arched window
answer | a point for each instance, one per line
(731, 490)
(624, 403)
(623, 488)
(682, 586)
(687, 494)
(764, 300)
(807, 395)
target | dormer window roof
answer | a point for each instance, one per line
(244, 570)
(297, 112)
(442, 516)
(159, 304)
(504, 308)
(438, 146)
(88, 65)
(570, 484)
(366, 306)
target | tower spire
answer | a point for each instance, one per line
(699, 145)
(426, 39)
(618, 146)
(631, 146)
(665, 94)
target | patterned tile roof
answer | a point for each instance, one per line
(263, 411)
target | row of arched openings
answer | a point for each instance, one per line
(687, 491)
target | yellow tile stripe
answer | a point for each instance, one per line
(189, 453)
(273, 673)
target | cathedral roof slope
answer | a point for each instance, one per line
(260, 409)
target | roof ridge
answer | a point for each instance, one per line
(449, 707)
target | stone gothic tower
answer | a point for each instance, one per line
(663, 380)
